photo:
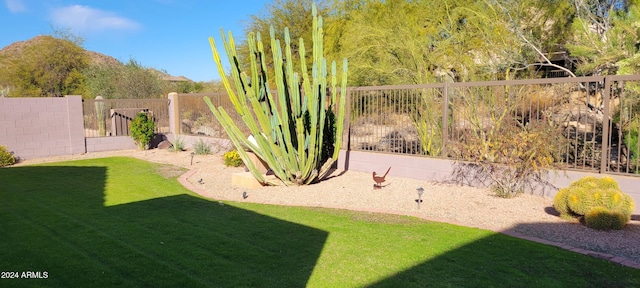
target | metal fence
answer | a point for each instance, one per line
(195, 118)
(591, 122)
(111, 117)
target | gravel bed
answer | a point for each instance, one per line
(525, 215)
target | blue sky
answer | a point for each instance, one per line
(170, 35)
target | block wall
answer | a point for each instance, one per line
(42, 127)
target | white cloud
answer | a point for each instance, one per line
(16, 6)
(86, 19)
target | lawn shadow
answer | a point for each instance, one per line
(488, 262)
(59, 224)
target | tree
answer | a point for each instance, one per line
(292, 14)
(606, 35)
(186, 87)
(419, 41)
(138, 82)
(101, 81)
(213, 86)
(539, 28)
(50, 67)
(128, 81)
(400, 42)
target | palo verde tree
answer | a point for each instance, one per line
(538, 29)
(606, 36)
(295, 15)
(50, 67)
(417, 42)
(129, 81)
(290, 127)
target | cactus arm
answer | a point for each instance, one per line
(341, 111)
(333, 85)
(293, 80)
(253, 51)
(284, 133)
(290, 105)
(289, 127)
(234, 134)
(223, 77)
(306, 84)
(230, 48)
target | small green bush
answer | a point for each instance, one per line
(583, 196)
(177, 144)
(6, 157)
(201, 147)
(601, 218)
(141, 129)
(232, 158)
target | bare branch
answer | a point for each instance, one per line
(545, 58)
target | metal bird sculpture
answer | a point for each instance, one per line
(379, 179)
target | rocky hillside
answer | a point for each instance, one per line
(17, 47)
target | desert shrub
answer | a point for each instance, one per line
(512, 157)
(141, 129)
(6, 157)
(202, 148)
(427, 118)
(630, 135)
(177, 144)
(232, 158)
(584, 195)
(512, 147)
(601, 218)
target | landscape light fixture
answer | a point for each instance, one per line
(420, 191)
(192, 154)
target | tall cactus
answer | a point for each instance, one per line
(288, 127)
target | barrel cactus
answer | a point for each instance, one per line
(601, 218)
(289, 128)
(561, 204)
(599, 201)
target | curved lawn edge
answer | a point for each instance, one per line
(184, 181)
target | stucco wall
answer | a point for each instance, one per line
(42, 127)
(111, 143)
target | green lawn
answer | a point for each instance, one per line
(122, 222)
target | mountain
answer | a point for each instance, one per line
(16, 48)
